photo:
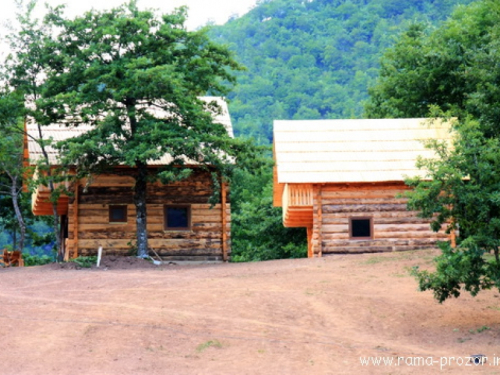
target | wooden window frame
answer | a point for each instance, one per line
(121, 207)
(165, 217)
(369, 218)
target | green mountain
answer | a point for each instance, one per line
(314, 59)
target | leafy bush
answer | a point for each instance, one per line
(37, 260)
(257, 227)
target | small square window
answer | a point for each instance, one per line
(118, 214)
(177, 217)
(360, 228)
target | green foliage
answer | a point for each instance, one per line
(211, 343)
(453, 72)
(85, 261)
(313, 59)
(38, 260)
(257, 226)
(463, 268)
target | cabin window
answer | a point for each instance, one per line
(118, 214)
(177, 217)
(360, 228)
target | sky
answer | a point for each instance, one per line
(200, 11)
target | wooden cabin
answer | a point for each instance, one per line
(182, 225)
(343, 180)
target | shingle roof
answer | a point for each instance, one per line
(58, 132)
(322, 151)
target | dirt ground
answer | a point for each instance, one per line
(305, 316)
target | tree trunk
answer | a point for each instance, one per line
(141, 212)
(14, 191)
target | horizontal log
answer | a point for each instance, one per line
(374, 249)
(401, 220)
(189, 252)
(361, 208)
(103, 219)
(104, 212)
(130, 235)
(363, 186)
(109, 180)
(364, 201)
(374, 215)
(411, 235)
(166, 244)
(412, 227)
(104, 235)
(379, 242)
(388, 235)
(356, 250)
(366, 194)
(194, 207)
(89, 227)
(329, 228)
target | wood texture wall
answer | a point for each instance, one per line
(394, 228)
(89, 223)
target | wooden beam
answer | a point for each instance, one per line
(453, 234)
(75, 221)
(224, 221)
(320, 220)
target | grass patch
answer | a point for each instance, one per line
(212, 343)
(378, 259)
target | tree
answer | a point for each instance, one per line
(11, 164)
(137, 79)
(453, 72)
(24, 72)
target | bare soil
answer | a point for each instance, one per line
(304, 316)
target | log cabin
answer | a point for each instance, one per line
(100, 212)
(343, 180)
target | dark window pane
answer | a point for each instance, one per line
(361, 227)
(118, 213)
(177, 217)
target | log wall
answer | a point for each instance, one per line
(394, 228)
(89, 225)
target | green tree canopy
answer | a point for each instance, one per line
(452, 71)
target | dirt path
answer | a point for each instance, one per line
(307, 316)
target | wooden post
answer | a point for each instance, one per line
(224, 222)
(320, 221)
(453, 235)
(75, 222)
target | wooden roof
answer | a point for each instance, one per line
(60, 132)
(358, 150)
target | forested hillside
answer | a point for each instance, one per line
(314, 59)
